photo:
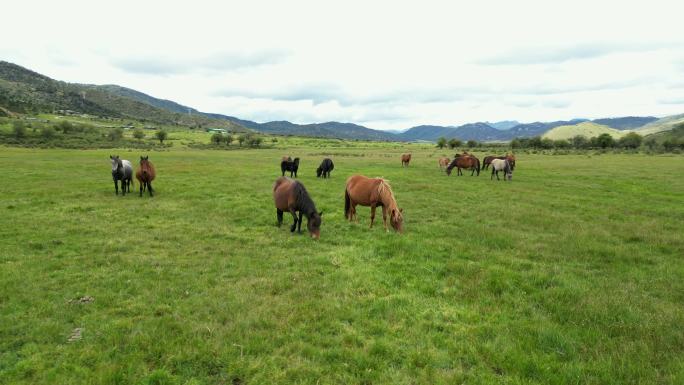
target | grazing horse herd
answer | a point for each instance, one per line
(290, 195)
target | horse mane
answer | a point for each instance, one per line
(387, 196)
(302, 199)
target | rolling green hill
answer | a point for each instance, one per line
(587, 129)
(25, 91)
(665, 124)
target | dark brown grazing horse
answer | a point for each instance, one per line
(465, 162)
(372, 192)
(145, 175)
(488, 160)
(405, 159)
(291, 196)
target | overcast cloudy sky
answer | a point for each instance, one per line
(383, 64)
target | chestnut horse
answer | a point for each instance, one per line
(443, 162)
(145, 175)
(290, 195)
(372, 192)
(466, 162)
(405, 159)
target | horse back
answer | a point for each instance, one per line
(363, 190)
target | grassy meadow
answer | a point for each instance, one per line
(570, 274)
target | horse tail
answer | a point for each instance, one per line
(347, 203)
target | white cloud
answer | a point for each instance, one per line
(386, 64)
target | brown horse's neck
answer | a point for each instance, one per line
(386, 195)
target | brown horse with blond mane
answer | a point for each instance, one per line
(372, 192)
(145, 175)
(405, 159)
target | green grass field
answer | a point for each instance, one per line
(571, 274)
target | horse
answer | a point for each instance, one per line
(372, 192)
(488, 160)
(122, 170)
(499, 165)
(405, 159)
(290, 165)
(290, 195)
(466, 162)
(145, 175)
(325, 168)
(443, 162)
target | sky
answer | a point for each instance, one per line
(387, 65)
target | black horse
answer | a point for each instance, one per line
(325, 168)
(290, 165)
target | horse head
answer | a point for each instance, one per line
(319, 171)
(397, 219)
(116, 163)
(314, 224)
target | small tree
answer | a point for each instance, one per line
(47, 132)
(631, 140)
(453, 143)
(18, 129)
(580, 141)
(65, 126)
(561, 143)
(605, 141)
(161, 135)
(115, 134)
(472, 144)
(441, 142)
(546, 143)
(255, 141)
(138, 134)
(535, 142)
(241, 139)
(217, 138)
(228, 138)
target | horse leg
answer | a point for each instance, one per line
(372, 207)
(149, 188)
(142, 184)
(294, 216)
(299, 224)
(116, 187)
(384, 217)
(497, 175)
(492, 177)
(279, 215)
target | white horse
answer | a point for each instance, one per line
(121, 170)
(501, 165)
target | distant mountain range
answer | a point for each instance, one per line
(25, 91)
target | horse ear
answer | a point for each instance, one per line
(320, 214)
(141, 158)
(401, 210)
(111, 157)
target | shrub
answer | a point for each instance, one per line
(138, 134)
(115, 134)
(48, 132)
(605, 141)
(65, 126)
(631, 140)
(255, 141)
(441, 142)
(453, 143)
(217, 138)
(18, 129)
